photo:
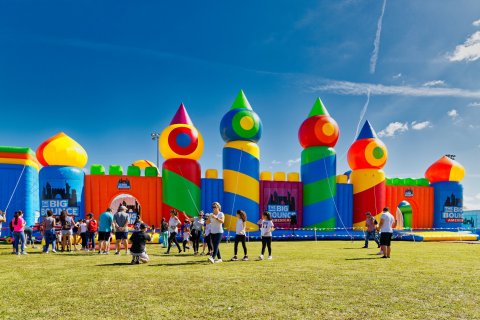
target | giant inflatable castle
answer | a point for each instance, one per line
(318, 200)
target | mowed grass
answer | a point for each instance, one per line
(305, 280)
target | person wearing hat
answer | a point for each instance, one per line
(371, 232)
(138, 249)
(120, 221)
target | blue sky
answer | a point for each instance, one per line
(109, 73)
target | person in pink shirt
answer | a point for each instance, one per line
(18, 224)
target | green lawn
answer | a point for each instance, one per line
(305, 280)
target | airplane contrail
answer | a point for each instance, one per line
(376, 42)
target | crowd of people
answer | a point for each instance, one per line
(64, 234)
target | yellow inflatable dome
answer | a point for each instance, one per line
(142, 164)
(61, 150)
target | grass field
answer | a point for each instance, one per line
(305, 280)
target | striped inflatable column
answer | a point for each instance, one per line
(181, 145)
(241, 128)
(318, 135)
(366, 157)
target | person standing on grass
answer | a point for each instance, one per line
(139, 240)
(371, 231)
(18, 224)
(3, 218)
(240, 236)
(92, 228)
(207, 240)
(266, 229)
(164, 232)
(67, 225)
(386, 232)
(29, 236)
(105, 229)
(173, 224)
(196, 230)
(186, 237)
(49, 232)
(120, 221)
(76, 235)
(82, 226)
(217, 219)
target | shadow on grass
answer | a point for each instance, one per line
(359, 248)
(178, 264)
(114, 264)
(355, 259)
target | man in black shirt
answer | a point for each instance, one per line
(139, 240)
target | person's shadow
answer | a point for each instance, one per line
(355, 259)
(178, 264)
(114, 264)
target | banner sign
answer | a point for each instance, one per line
(284, 202)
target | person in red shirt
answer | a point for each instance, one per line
(371, 232)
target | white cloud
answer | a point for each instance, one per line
(360, 89)
(471, 202)
(393, 128)
(434, 83)
(293, 162)
(276, 162)
(453, 114)
(397, 76)
(476, 23)
(468, 51)
(474, 104)
(421, 125)
(376, 42)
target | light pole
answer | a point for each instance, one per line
(156, 137)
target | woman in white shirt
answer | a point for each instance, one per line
(240, 236)
(216, 231)
(266, 229)
(173, 224)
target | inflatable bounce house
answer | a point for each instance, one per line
(317, 203)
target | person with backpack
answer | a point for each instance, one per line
(92, 227)
(67, 226)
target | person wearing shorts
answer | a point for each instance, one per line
(67, 224)
(105, 229)
(120, 221)
(386, 232)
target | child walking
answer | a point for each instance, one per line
(240, 236)
(266, 229)
(207, 240)
(186, 237)
(139, 240)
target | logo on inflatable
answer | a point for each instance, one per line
(123, 184)
(452, 209)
